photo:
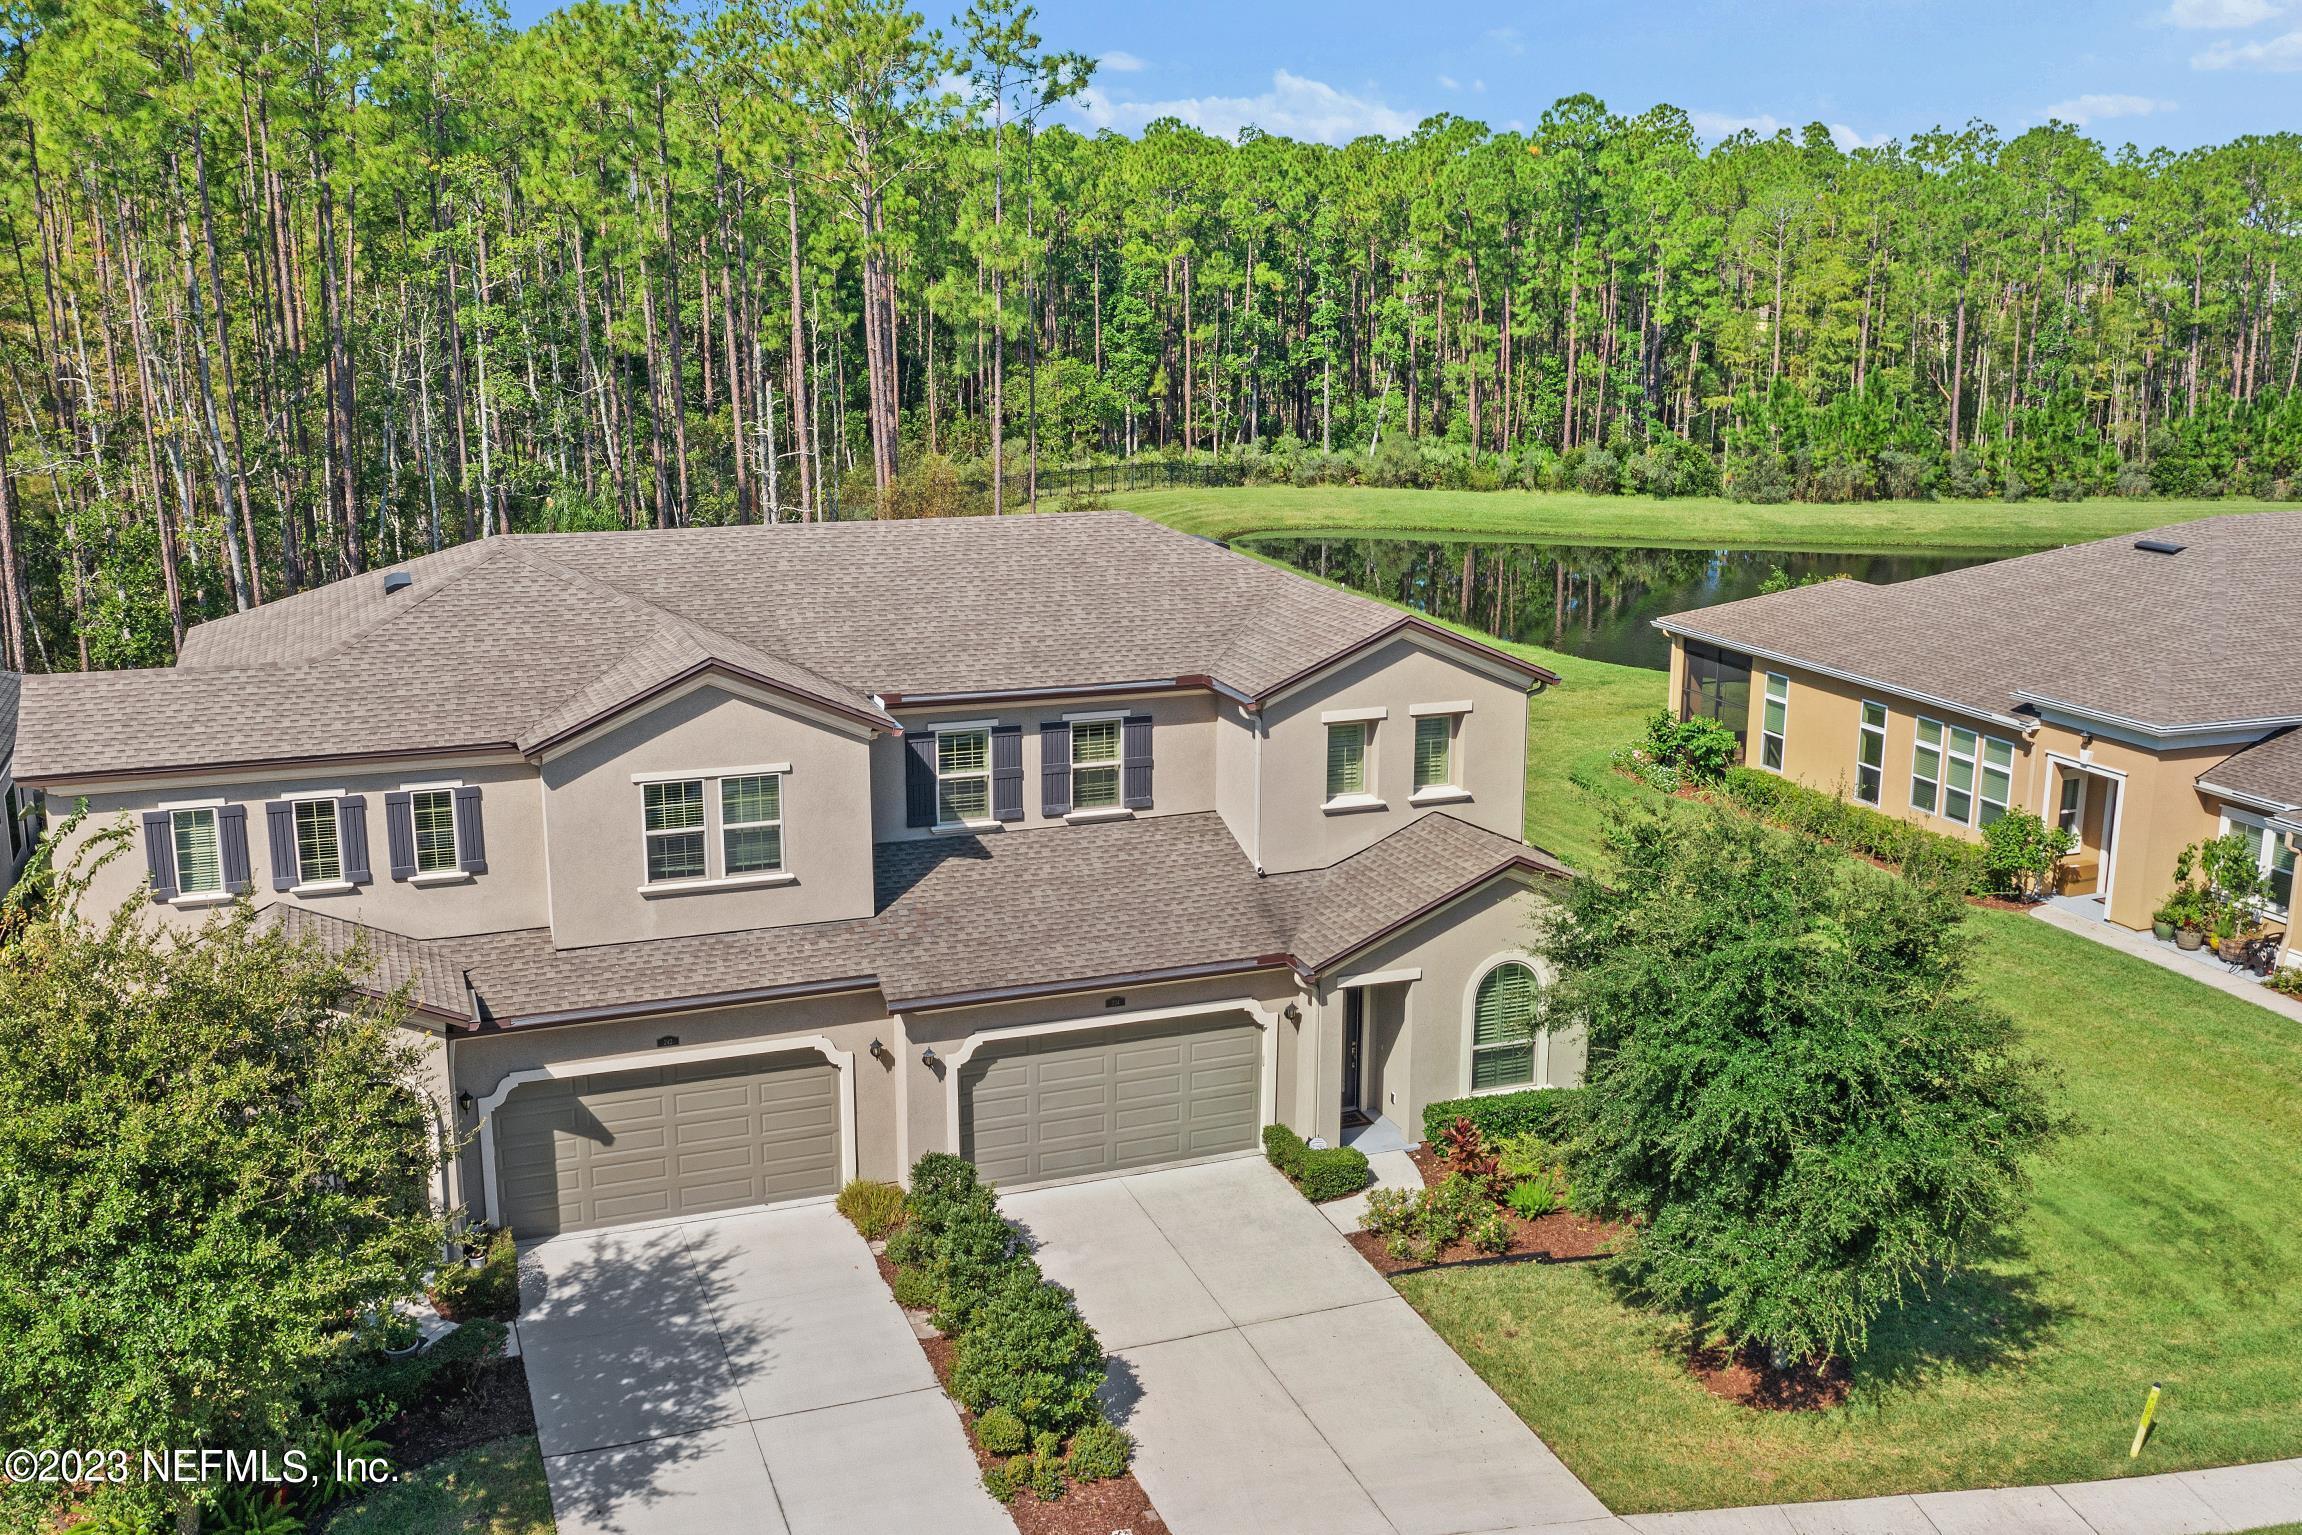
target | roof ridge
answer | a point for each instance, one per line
(486, 555)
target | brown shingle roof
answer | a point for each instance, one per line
(2161, 641)
(963, 917)
(2269, 772)
(510, 640)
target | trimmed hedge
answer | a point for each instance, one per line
(1321, 1175)
(1827, 818)
(1545, 1111)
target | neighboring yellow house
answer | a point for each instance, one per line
(2138, 690)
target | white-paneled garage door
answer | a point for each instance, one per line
(1060, 1105)
(585, 1152)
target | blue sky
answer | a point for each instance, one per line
(2172, 72)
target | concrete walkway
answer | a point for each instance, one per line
(1274, 1382)
(745, 1374)
(2210, 971)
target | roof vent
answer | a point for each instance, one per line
(2158, 546)
(397, 581)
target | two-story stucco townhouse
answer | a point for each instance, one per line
(2139, 691)
(724, 864)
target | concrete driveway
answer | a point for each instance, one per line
(1276, 1383)
(748, 1373)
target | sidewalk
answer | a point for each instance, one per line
(2143, 946)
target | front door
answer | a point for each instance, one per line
(1354, 1055)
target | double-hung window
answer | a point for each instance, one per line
(1346, 759)
(1870, 755)
(2274, 856)
(675, 831)
(751, 824)
(1997, 779)
(1926, 766)
(432, 816)
(2072, 807)
(319, 858)
(1958, 778)
(1095, 764)
(1434, 752)
(1776, 717)
(1503, 1028)
(962, 776)
(199, 851)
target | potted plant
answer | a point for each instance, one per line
(2162, 923)
(2185, 915)
(396, 1334)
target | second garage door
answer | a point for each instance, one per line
(1060, 1105)
(586, 1152)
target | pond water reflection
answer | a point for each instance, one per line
(1596, 602)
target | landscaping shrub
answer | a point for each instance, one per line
(1027, 1349)
(1468, 1154)
(1100, 1451)
(1285, 1150)
(1857, 828)
(1697, 751)
(489, 1288)
(871, 1207)
(977, 1255)
(1328, 1173)
(1001, 1432)
(940, 1184)
(1533, 1169)
(915, 1289)
(1549, 1112)
(1415, 1224)
(365, 1384)
(2019, 852)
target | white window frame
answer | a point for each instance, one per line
(1540, 1061)
(714, 827)
(782, 843)
(454, 871)
(337, 883)
(2272, 841)
(1864, 731)
(1451, 788)
(1365, 796)
(1940, 746)
(222, 889)
(984, 728)
(1972, 757)
(1116, 764)
(2073, 818)
(1982, 771)
(651, 835)
(1779, 738)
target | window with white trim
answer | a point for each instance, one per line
(319, 860)
(1926, 766)
(2073, 804)
(1434, 752)
(432, 814)
(1958, 777)
(1870, 755)
(1503, 1020)
(199, 851)
(1772, 723)
(1095, 764)
(2273, 856)
(674, 829)
(962, 776)
(1346, 758)
(1997, 779)
(751, 824)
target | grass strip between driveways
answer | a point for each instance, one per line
(497, 1488)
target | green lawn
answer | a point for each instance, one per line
(497, 1488)
(1560, 517)
(2161, 1244)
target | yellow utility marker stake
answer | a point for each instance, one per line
(2142, 1429)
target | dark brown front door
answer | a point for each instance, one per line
(1354, 1055)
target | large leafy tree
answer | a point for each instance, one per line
(213, 1162)
(1795, 1094)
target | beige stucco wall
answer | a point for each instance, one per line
(1182, 754)
(1490, 754)
(510, 895)
(594, 814)
(2160, 810)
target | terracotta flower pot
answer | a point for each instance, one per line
(2188, 938)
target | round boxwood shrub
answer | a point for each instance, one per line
(1028, 1350)
(1001, 1432)
(1099, 1451)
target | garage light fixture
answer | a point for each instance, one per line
(928, 1057)
(880, 1052)
(466, 1102)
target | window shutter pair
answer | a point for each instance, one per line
(280, 837)
(1055, 766)
(1135, 759)
(160, 854)
(1007, 773)
(400, 833)
(231, 847)
(919, 778)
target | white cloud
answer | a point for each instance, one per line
(1449, 83)
(2102, 108)
(1294, 106)
(2281, 55)
(1723, 125)
(1507, 39)
(2218, 15)
(1120, 62)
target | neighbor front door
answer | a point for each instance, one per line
(1354, 1054)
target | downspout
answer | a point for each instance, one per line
(1255, 716)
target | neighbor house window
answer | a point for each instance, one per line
(2073, 804)
(432, 813)
(199, 852)
(1094, 764)
(963, 775)
(751, 824)
(318, 860)
(1776, 716)
(1958, 780)
(2274, 856)
(1997, 779)
(1870, 755)
(1503, 1028)
(1346, 758)
(675, 843)
(1434, 752)
(1926, 767)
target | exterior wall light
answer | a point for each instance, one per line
(928, 1057)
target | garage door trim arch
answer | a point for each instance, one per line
(1265, 1014)
(682, 1055)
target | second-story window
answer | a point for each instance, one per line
(962, 776)
(675, 837)
(1346, 758)
(433, 814)
(1434, 752)
(1094, 764)
(199, 852)
(751, 824)
(319, 860)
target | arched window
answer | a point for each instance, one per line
(1503, 1028)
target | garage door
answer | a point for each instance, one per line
(677, 1140)
(1056, 1106)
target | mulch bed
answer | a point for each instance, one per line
(1749, 1379)
(1086, 1508)
(1554, 1238)
(496, 1405)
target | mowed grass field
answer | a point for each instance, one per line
(1947, 527)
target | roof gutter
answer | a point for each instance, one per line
(51, 779)
(2251, 801)
(1088, 983)
(2155, 731)
(662, 1005)
(1006, 695)
(1859, 679)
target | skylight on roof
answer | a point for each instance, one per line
(2158, 546)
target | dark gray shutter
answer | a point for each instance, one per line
(1007, 772)
(280, 834)
(919, 778)
(160, 853)
(1054, 768)
(400, 833)
(352, 837)
(232, 844)
(1135, 760)
(471, 832)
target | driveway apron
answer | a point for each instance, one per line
(748, 1373)
(1274, 1381)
